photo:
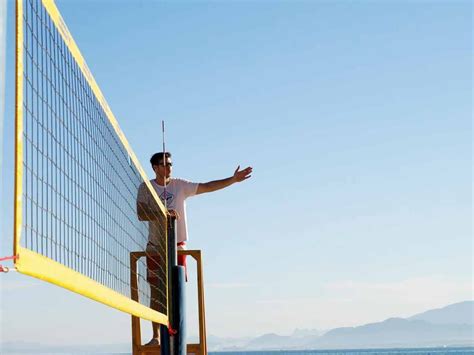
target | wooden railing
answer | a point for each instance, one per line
(197, 349)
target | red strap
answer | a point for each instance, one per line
(4, 268)
(13, 257)
(172, 331)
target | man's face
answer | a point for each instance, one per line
(164, 168)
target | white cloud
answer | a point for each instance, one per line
(429, 291)
(350, 303)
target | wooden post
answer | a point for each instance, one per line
(136, 334)
(201, 348)
(137, 347)
(202, 308)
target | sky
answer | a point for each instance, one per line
(356, 117)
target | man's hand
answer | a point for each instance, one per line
(173, 213)
(242, 174)
(239, 175)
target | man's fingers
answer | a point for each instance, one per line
(243, 174)
(173, 213)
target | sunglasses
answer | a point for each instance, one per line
(167, 164)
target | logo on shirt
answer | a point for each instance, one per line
(167, 196)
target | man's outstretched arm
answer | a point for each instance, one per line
(239, 175)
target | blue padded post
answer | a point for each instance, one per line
(179, 310)
(164, 340)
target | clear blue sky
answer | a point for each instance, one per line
(356, 116)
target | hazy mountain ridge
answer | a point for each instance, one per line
(451, 326)
(414, 331)
(396, 332)
(458, 313)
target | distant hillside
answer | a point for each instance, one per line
(396, 332)
(458, 313)
(450, 325)
(302, 333)
(273, 341)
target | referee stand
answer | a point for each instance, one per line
(175, 343)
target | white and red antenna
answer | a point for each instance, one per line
(164, 161)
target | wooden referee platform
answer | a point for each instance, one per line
(137, 347)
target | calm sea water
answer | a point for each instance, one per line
(424, 351)
(417, 351)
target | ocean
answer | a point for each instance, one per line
(414, 351)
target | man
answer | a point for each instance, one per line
(175, 192)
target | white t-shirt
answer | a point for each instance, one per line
(177, 191)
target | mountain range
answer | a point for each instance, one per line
(448, 326)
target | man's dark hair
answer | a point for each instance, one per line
(157, 158)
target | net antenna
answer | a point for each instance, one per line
(164, 162)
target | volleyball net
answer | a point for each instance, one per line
(77, 179)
